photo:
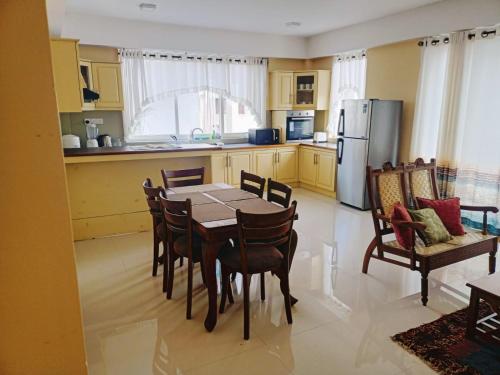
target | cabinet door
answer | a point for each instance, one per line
(281, 91)
(326, 170)
(264, 163)
(66, 71)
(238, 161)
(108, 83)
(307, 166)
(218, 164)
(305, 90)
(287, 165)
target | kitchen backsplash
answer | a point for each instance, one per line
(72, 123)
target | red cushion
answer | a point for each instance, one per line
(404, 236)
(448, 211)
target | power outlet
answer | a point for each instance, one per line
(97, 121)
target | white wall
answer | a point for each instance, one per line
(433, 19)
(116, 32)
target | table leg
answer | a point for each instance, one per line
(472, 314)
(210, 251)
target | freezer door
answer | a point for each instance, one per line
(355, 119)
(351, 170)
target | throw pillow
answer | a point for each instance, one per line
(448, 211)
(404, 236)
(435, 230)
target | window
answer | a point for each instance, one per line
(348, 82)
(169, 97)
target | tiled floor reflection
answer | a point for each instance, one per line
(342, 322)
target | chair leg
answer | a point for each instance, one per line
(224, 287)
(262, 286)
(246, 307)
(181, 261)
(493, 259)
(230, 292)
(190, 289)
(156, 252)
(425, 287)
(368, 254)
(202, 268)
(171, 265)
(165, 259)
(285, 289)
(233, 276)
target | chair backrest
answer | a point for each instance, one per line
(422, 180)
(183, 177)
(178, 219)
(152, 197)
(278, 193)
(252, 183)
(256, 230)
(386, 187)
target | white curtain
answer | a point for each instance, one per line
(348, 82)
(151, 79)
(457, 120)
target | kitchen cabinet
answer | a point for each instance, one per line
(66, 71)
(227, 167)
(281, 90)
(107, 82)
(299, 90)
(317, 168)
(280, 164)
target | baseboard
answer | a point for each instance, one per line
(316, 189)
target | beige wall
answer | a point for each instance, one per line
(40, 318)
(392, 73)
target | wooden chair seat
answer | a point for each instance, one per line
(181, 247)
(260, 259)
(471, 237)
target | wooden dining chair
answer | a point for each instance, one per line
(259, 236)
(183, 177)
(252, 183)
(280, 194)
(182, 242)
(159, 233)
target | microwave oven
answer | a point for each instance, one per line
(266, 136)
(299, 125)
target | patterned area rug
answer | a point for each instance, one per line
(443, 346)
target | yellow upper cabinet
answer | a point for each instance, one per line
(107, 82)
(280, 90)
(299, 90)
(66, 70)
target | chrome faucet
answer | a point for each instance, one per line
(192, 133)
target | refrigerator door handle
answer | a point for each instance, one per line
(340, 150)
(341, 122)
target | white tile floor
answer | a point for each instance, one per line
(342, 322)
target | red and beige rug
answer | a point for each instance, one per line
(443, 346)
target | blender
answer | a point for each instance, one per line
(92, 133)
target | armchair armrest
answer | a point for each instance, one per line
(415, 225)
(484, 210)
(480, 208)
(384, 218)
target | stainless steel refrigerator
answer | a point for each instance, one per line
(368, 135)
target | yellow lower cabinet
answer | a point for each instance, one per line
(264, 163)
(237, 162)
(326, 170)
(287, 164)
(307, 166)
(218, 164)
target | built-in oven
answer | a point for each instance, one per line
(299, 125)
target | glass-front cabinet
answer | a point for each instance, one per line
(305, 92)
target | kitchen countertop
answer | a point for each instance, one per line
(124, 150)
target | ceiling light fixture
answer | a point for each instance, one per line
(147, 7)
(292, 24)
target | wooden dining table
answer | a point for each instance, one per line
(214, 219)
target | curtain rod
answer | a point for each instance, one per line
(199, 58)
(470, 36)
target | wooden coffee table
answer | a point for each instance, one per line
(487, 289)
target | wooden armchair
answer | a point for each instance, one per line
(386, 188)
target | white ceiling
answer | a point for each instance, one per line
(264, 16)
